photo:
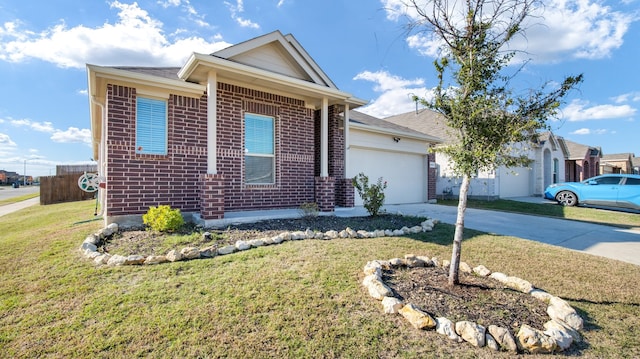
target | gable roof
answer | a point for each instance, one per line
(577, 151)
(618, 157)
(363, 121)
(277, 53)
(272, 63)
(425, 121)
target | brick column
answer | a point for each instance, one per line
(344, 192)
(325, 193)
(431, 178)
(212, 196)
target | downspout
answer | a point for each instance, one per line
(101, 154)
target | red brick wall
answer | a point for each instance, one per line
(431, 180)
(294, 149)
(136, 182)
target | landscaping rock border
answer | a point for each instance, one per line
(558, 334)
(91, 244)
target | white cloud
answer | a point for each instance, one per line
(238, 8)
(5, 141)
(135, 38)
(396, 93)
(587, 131)
(72, 135)
(280, 3)
(579, 29)
(627, 97)
(46, 127)
(579, 110)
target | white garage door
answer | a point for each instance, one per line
(404, 172)
(515, 182)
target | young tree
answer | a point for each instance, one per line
(479, 105)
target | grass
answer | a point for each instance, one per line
(297, 299)
(19, 198)
(602, 216)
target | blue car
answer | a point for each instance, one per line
(611, 190)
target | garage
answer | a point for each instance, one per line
(514, 182)
(405, 173)
(395, 153)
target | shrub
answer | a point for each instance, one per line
(372, 195)
(163, 219)
(309, 210)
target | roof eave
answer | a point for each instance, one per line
(375, 129)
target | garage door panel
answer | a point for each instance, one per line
(404, 172)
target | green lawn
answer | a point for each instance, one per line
(603, 216)
(297, 299)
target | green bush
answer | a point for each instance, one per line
(163, 219)
(309, 210)
(372, 195)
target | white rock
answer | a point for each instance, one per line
(91, 254)
(88, 246)
(427, 261)
(396, 262)
(226, 250)
(535, 341)
(391, 305)
(286, 236)
(102, 259)
(471, 332)
(377, 289)
(373, 267)
(559, 309)
(134, 259)
(541, 295)
(190, 253)
(362, 234)
(464, 267)
(563, 338)
(513, 282)
(242, 245)
(491, 343)
(116, 260)
(503, 337)
(92, 238)
(398, 232)
(351, 233)
(446, 327)
(174, 255)
(388, 233)
(331, 234)
(560, 326)
(418, 318)
(155, 260)
(481, 271)
(343, 234)
(278, 239)
(255, 243)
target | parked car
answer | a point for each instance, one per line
(611, 190)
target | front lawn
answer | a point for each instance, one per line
(297, 299)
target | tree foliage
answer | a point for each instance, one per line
(475, 96)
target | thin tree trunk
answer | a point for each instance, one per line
(457, 237)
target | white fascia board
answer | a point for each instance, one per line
(125, 76)
(386, 131)
(226, 67)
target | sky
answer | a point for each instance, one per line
(364, 46)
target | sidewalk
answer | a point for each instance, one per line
(13, 207)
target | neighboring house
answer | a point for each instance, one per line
(257, 125)
(636, 165)
(582, 161)
(8, 177)
(398, 154)
(546, 153)
(617, 163)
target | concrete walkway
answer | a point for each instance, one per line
(13, 207)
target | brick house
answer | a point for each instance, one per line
(582, 161)
(617, 163)
(257, 125)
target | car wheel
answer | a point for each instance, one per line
(567, 198)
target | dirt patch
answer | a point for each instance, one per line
(478, 299)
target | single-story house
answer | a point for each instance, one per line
(546, 153)
(582, 161)
(257, 125)
(617, 163)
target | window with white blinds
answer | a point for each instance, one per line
(151, 126)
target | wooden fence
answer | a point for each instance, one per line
(59, 189)
(73, 169)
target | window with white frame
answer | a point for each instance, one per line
(259, 148)
(151, 126)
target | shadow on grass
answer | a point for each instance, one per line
(442, 234)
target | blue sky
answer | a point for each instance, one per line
(361, 44)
